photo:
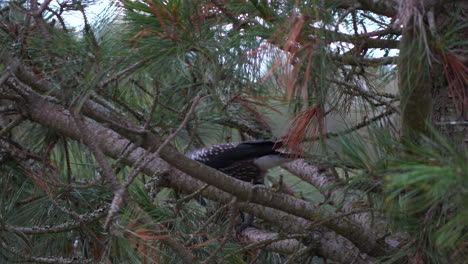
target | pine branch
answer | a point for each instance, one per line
(182, 252)
(189, 197)
(364, 123)
(386, 7)
(361, 40)
(25, 257)
(330, 242)
(90, 141)
(124, 72)
(233, 215)
(181, 126)
(368, 62)
(58, 228)
(206, 223)
(117, 201)
(377, 96)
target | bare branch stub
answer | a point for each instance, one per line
(11, 125)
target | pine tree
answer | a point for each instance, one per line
(94, 122)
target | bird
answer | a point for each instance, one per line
(248, 161)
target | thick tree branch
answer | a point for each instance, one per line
(330, 242)
(333, 189)
(320, 177)
(283, 244)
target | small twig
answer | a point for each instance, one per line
(153, 107)
(26, 257)
(194, 138)
(60, 19)
(90, 141)
(341, 18)
(98, 101)
(192, 195)
(116, 204)
(89, 30)
(150, 94)
(58, 228)
(397, 32)
(207, 222)
(233, 215)
(129, 148)
(7, 108)
(29, 200)
(78, 218)
(67, 159)
(352, 129)
(354, 17)
(362, 61)
(171, 136)
(299, 253)
(11, 97)
(138, 85)
(123, 72)
(226, 12)
(117, 201)
(182, 125)
(11, 125)
(386, 31)
(452, 123)
(179, 249)
(358, 89)
(139, 116)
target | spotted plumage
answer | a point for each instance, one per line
(247, 161)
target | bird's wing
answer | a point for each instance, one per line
(220, 156)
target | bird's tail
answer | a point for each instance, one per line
(296, 154)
